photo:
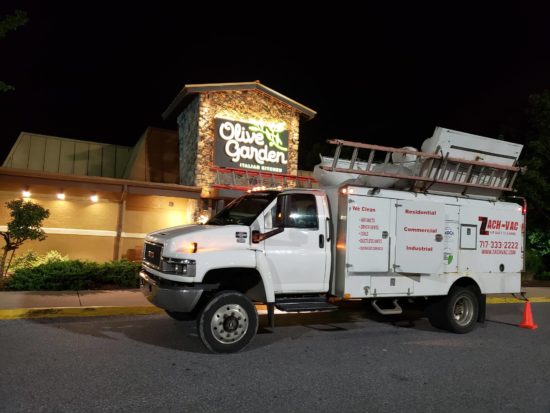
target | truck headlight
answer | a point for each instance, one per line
(183, 267)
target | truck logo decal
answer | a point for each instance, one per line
(497, 225)
(241, 236)
(483, 227)
(448, 256)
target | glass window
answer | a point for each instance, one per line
(269, 217)
(300, 211)
(244, 210)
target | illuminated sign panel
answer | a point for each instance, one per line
(260, 146)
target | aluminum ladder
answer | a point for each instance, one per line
(431, 171)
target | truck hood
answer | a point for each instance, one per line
(177, 240)
(168, 233)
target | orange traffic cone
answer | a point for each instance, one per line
(527, 321)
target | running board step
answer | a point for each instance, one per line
(295, 305)
(388, 311)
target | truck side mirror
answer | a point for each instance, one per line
(257, 236)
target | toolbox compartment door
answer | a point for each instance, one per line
(419, 237)
(368, 240)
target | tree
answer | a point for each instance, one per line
(26, 223)
(535, 183)
(10, 23)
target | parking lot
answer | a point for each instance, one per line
(348, 360)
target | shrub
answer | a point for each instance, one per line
(27, 260)
(31, 259)
(121, 273)
(75, 275)
(54, 276)
(534, 261)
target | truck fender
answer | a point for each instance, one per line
(263, 268)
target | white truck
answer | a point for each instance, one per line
(444, 239)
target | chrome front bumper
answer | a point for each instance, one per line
(181, 299)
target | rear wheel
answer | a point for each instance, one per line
(228, 322)
(457, 312)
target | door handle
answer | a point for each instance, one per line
(321, 241)
(328, 229)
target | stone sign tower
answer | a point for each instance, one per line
(245, 126)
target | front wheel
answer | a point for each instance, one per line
(228, 322)
(457, 312)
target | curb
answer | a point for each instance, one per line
(56, 312)
(506, 300)
(99, 311)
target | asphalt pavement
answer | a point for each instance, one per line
(342, 361)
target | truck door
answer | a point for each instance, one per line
(299, 256)
(419, 235)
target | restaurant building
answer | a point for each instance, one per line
(104, 198)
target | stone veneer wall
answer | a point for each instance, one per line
(188, 133)
(236, 105)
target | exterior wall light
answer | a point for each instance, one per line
(26, 193)
(94, 198)
(203, 217)
(60, 196)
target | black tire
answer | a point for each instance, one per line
(456, 312)
(228, 322)
(436, 311)
(179, 316)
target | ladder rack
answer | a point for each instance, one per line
(245, 180)
(431, 171)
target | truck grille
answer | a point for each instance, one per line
(152, 254)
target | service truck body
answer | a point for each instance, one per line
(399, 243)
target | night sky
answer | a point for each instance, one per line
(104, 71)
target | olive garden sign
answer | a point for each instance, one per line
(259, 146)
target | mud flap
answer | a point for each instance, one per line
(482, 311)
(271, 314)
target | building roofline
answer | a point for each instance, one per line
(42, 135)
(185, 95)
(99, 183)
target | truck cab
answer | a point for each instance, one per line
(261, 246)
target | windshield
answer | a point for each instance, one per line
(243, 210)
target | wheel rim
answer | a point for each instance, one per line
(463, 311)
(229, 323)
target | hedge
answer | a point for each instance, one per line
(75, 275)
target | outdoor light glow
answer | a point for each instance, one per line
(26, 193)
(94, 198)
(203, 217)
(188, 247)
(60, 196)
